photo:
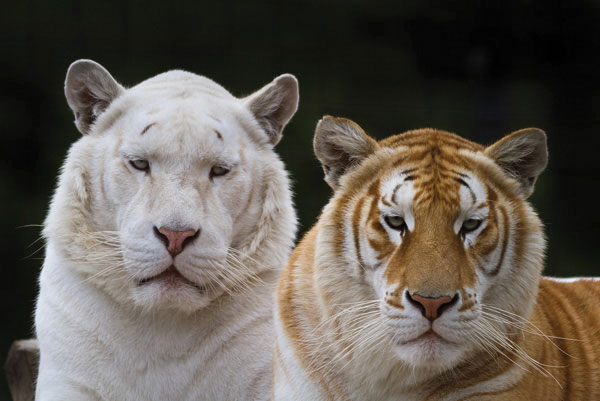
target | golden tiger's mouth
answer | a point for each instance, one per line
(430, 336)
(170, 277)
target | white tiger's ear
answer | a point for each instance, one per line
(340, 144)
(89, 89)
(523, 155)
(274, 105)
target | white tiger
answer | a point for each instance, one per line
(170, 223)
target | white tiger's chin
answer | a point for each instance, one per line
(173, 293)
(430, 351)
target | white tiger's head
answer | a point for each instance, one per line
(173, 186)
(433, 234)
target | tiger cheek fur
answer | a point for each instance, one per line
(420, 279)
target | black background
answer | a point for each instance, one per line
(480, 69)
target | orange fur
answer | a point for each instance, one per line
(348, 281)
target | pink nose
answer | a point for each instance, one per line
(430, 307)
(175, 241)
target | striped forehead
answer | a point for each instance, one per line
(431, 182)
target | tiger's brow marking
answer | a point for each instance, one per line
(464, 183)
(408, 177)
(147, 127)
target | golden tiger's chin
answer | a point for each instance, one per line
(429, 350)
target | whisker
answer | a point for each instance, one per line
(526, 322)
(501, 340)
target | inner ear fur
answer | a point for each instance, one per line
(89, 89)
(274, 105)
(340, 144)
(523, 155)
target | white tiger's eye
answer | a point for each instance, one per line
(470, 225)
(140, 164)
(217, 171)
(396, 222)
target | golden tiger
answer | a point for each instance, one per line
(422, 278)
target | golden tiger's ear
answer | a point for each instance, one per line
(89, 89)
(340, 144)
(523, 155)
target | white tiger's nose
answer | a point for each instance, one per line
(175, 241)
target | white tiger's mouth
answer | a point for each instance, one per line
(170, 277)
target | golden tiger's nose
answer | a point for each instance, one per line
(175, 241)
(430, 307)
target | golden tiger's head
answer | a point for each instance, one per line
(435, 231)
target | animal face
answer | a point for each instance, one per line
(178, 180)
(434, 231)
(172, 175)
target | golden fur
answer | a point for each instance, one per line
(349, 320)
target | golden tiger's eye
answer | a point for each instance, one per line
(470, 225)
(140, 164)
(217, 171)
(396, 222)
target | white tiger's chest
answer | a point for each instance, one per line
(114, 355)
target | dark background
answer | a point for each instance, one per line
(480, 69)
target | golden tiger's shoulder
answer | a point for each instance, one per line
(291, 286)
(573, 305)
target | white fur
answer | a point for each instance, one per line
(571, 279)
(103, 335)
